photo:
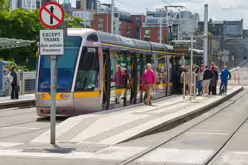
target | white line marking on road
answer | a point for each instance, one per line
(111, 153)
(177, 156)
(234, 158)
(208, 133)
(31, 128)
(9, 144)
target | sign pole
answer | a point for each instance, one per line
(52, 44)
(191, 70)
(191, 60)
(53, 102)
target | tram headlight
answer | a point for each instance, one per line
(42, 96)
(64, 96)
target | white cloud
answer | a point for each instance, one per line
(218, 9)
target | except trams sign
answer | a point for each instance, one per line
(51, 42)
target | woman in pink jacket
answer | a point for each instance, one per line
(149, 80)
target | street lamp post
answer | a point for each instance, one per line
(160, 36)
(112, 16)
(191, 62)
(205, 48)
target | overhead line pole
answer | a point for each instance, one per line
(112, 16)
(205, 47)
(167, 18)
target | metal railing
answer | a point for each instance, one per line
(26, 82)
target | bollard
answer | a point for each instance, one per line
(238, 79)
(194, 74)
(22, 83)
(184, 84)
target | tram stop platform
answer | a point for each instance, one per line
(111, 127)
(7, 102)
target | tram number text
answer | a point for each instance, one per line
(91, 50)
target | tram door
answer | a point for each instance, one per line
(106, 80)
(176, 75)
(170, 76)
(130, 77)
(141, 67)
(117, 84)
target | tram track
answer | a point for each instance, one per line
(161, 143)
(28, 122)
(23, 133)
(16, 114)
(17, 104)
(30, 131)
(226, 142)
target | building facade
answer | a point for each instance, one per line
(86, 4)
(153, 34)
(125, 24)
(179, 24)
(25, 4)
(137, 21)
(231, 29)
(122, 24)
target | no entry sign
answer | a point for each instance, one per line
(52, 15)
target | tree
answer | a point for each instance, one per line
(24, 24)
(5, 5)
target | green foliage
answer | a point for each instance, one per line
(23, 24)
(75, 22)
(13, 64)
(5, 5)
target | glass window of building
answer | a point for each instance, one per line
(137, 18)
(101, 25)
(148, 31)
(78, 5)
(137, 23)
(100, 19)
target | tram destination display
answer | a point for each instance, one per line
(181, 47)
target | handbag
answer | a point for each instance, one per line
(17, 89)
(143, 87)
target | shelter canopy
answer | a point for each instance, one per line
(7, 43)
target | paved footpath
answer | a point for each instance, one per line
(94, 137)
(201, 141)
(5, 101)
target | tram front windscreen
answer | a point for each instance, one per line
(66, 67)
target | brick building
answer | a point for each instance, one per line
(137, 22)
(102, 22)
(153, 34)
(124, 24)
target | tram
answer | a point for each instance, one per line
(86, 72)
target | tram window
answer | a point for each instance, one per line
(88, 70)
(171, 67)
(161, 69)
(92, 37)
(121, 61)
(149, 59)
(66, 67)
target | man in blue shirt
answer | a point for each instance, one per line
(225, 76)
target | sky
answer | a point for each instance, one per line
(218, 9)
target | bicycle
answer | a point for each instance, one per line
(222, 89)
